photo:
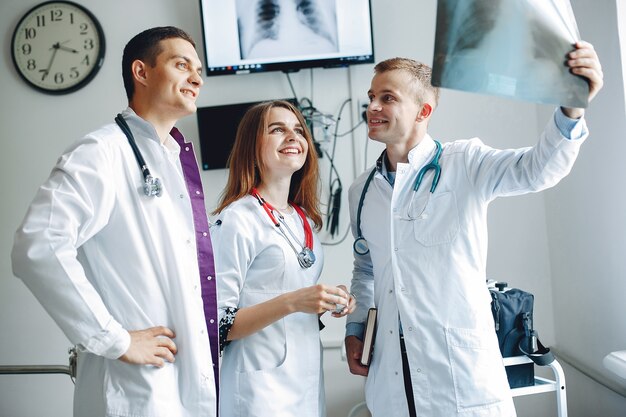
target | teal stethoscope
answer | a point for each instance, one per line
(360, 244)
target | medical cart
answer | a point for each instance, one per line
(557, 385)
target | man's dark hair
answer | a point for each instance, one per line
(146, 47)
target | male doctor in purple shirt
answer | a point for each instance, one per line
(126, 270)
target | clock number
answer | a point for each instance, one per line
(30, 33)
(44, 74)
(58, 78)
(30, 64)
(74, 72)
(41, 20)
(26, 49)
(83, 28)
(56, 15)
(85, 60)
(71, 18)
(88, 44)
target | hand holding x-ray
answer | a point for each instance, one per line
(518, 49)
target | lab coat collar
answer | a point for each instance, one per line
(418, 156)
(422, 153)
(142, 127)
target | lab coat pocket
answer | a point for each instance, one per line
(264, 350)
(264, 393)
(476, 368)
(435, 218)
(140, 390)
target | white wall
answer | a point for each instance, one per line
(37, 127)
(587, 226)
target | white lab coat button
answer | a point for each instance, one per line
(403, 289)
(396, 372)
(188, 241)
(390, 291)
(419, 370)
(390, 331)
(395, 249)
(181, 196)
(395, 209)
(202, 331)
(410, 329)
(195, 287)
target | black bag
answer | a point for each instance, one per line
(513, 316)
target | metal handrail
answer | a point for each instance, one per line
(44, 369)
(35, 369)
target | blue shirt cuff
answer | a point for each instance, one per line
(355, 329)
(572, 129)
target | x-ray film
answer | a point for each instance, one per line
(511, 48)
(274, 28)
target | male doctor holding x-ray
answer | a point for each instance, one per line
(420, 254)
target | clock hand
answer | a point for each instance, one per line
(54, 53)
(66, 48)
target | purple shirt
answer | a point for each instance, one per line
(206, 263)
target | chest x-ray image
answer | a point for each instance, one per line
(511, 48)
(272, 28)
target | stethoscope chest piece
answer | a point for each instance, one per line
(360, 246)
(306, 258)
(152, 186)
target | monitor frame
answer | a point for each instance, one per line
(288, 63)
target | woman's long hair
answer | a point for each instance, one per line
(246, 167)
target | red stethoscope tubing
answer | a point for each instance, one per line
(308, 232)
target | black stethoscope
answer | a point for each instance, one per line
(360, 244)
(152, 186)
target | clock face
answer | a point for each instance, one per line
(58, 47)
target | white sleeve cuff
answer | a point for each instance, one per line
(111, 343)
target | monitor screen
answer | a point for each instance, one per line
(244, 36)
(217, 127)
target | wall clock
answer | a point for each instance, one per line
(58, 47)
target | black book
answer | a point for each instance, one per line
(369, 337)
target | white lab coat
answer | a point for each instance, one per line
(102, 258)
(430, 272)
(276, 371)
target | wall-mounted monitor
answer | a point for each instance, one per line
(245, 36)
(217, 127)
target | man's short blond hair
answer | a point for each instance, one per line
(420, 73)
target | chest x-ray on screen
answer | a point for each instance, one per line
(272, 28)
(511, 48)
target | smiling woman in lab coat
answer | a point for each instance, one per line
(268, 263)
